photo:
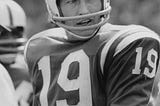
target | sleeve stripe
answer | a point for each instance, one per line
(128, 40)
(131, 30)
(110, 42)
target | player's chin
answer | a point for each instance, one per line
(85, 33)
(90, 31)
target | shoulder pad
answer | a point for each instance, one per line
(134, 33)
(44, 40)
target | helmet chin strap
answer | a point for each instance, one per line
(100, 13)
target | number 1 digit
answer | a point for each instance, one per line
(137, 69)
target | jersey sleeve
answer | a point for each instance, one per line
(130, 68)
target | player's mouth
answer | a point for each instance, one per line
(84, 22)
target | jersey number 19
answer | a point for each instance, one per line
(82, 83)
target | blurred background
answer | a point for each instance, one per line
(143, 12)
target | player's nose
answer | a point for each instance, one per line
(83, 8)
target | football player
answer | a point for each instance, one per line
(89, 62)
(7, 91)
(13, 17)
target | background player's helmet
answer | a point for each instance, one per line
(55, 16)
(12, 17)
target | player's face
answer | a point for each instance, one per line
(81, 7)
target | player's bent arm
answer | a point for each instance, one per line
(130, 74)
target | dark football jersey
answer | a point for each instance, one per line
(129, 62)
(155, 95)
(116, 67)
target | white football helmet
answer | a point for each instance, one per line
(12, 14)
(54, 15)
(12, 17)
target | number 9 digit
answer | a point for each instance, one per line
(82, 83)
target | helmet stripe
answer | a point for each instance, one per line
(10, 16)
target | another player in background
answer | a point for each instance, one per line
(7, 90)
(13, 17)
(90, 62)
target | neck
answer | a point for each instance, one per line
(72, 37)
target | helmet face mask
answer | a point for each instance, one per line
(55, 17)
(10, 44)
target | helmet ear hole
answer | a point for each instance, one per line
(59, 9)
(17, 32)
(18, 29)
(58, 2)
